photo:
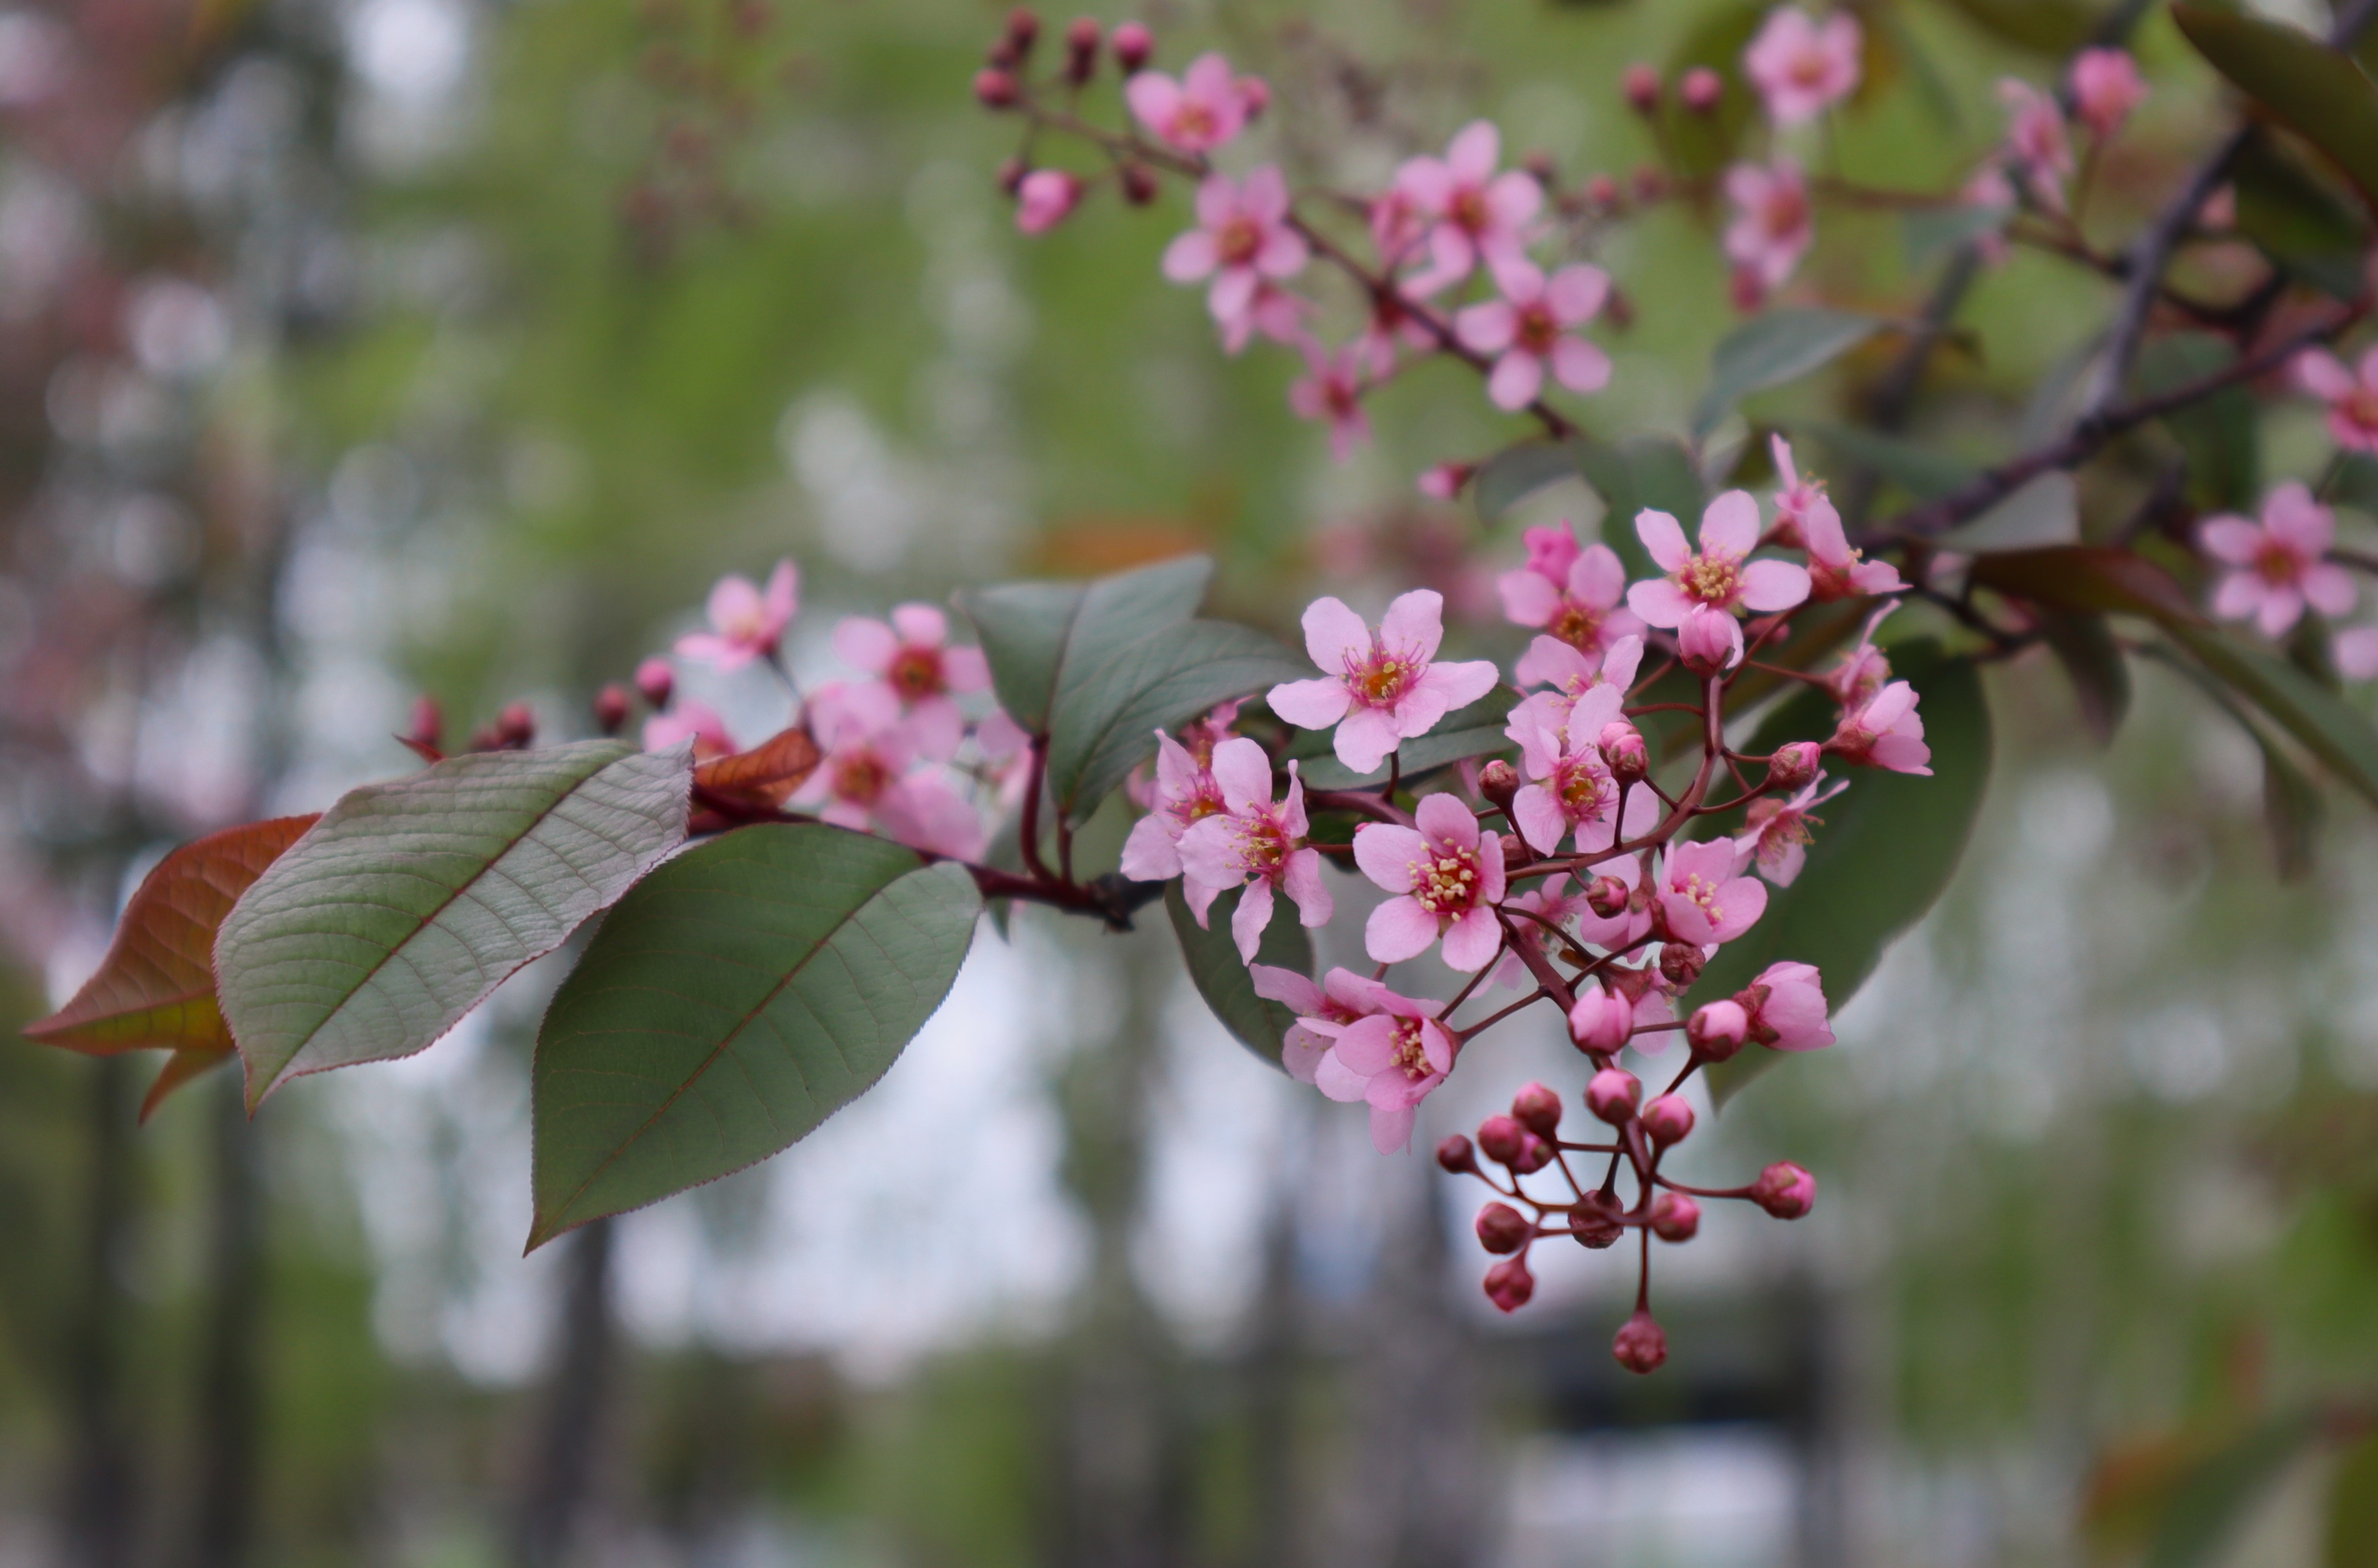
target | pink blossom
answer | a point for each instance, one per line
(1570, 674)
(2281, 563)
(1865, 667)
(1242, 237)
(912, 663)
(1575, 594)
(1186, 794)
(1601, 1020)
(1323, 1011)
(1555, 899)
(1447, 876)
(2357, 653)
(1388, 686)
(1786, 1007)
(1775, 224)
(1702, 897)
(1478, 214)
(1990, 188)
(1777, 842)
(1043, 199)
(1331, 390)
(1703, 588)
(1528, 331)
(2105, 87)
(693, 721)
(1270, 310)
(1398, 224)
(2352, 398)
(2035, 134)
(1208, 107)
(1803, 66)
(1886, 733)
(869, 778)
(1572, 790)
(1390, 1057)
(1797, 496)
(1253, 843)
(746, 622)
(1835, 569)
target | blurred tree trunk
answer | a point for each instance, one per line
(226, 1431)
(552, 1503)
(102, 1525)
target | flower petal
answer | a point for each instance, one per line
(1665, 538)
(1414, 624)
(1335, 637)
(1243, 770)
(1730, 524)
(1774, 586)
(1398, 929)
(1386, 852)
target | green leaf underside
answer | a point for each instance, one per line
(410, 901)
(1773, 348)
(2217, 435)
(740, 996)
(1039, 636)
(2298, 220)
(2312, 89)
(1921, 472)
(1885, 852)
(1212, 958)
(2212, 1504)
(1475, 731)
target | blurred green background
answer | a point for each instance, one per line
(351, 350)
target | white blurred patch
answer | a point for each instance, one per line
(35, 55)
(412, 50)
(1709, 1496)
(868, 507)
(178, 332)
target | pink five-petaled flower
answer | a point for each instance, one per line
(1271, 310)
(1323, 1011)
(1478, 214)
(2035, 134)
(1242, 238)
(913, 665)
(1572, 789)
(1777, 839)
(1447, 876)
(1528, 331)
(746, 622)
(1043, 199)
(2105, 87)
(1252, 843)
(1774, 226)
(689, 719)
(1386, 688)
(1186, 794)
(869, 780)
(1570, 674)
(1391, 1057)
(1331, 390)
(1835, 569)
(1786, 1008)
(1571, 593)
(2281, 563)
(1797, 499)
(1703, 587)
(1701, 897)
(1206, 108)
(1887, 732)
(1802, 66)
(2352, 398)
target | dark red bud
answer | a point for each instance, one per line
(1502, 1228)
(1538, 1107)
(515, 725)
(1641, 85)
(1133, 45)
(428, 722)
(1594, 1224)
(1498, 782)
(1022, 27)
(1680, 963)
(1784, 1189)
(611, 706)
(1509, 1283)
(1701, 89)
(1139, 185)
(1535, 1155)
(655, 680)
(1457, 1156)
(1641, 1346)
(1501, 1139)
(1676, 1218)
(1668, 1119)
(1622, 746)
(1612, 1093)
(1255, 93)
(1793, 765)
(1603, 191)
(1082, 41)
(994, 89)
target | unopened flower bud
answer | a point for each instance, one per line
(1537, 1107)
(1717, 1030)
(1444, 481)
(1651, 184)
(1603, 191)
(1535, 1155)
(1701, 89)
(1044, 199)
(1607, 896)
(1012, 170)
(1139, 185)
(1133, 45)
(1022, 27)
(1498, 782)
(428, 722)
(994, 89)
(1501, 1139)
(515, 725)
(1255, 96)
(1680, 963)
(612, 708)
(1455, 1157)
(1784, 1189)
(1623, 749)
(1612, 1093)
(1002, 56)
(1676, 1218)
(1668, 1119)
(1601, 1022)
(1509, 1283)
(1795, 764)
(1641, 1344)
(1594, 1224)
(655, 680)
(1502, 1228)
(1540, 166)
(1641, 85)
(1081, 50)
(1707, 641)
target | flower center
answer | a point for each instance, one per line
(1785, 211)
(1206, 802)
(1411, 1050)
(1467, 211)
(1238, 240)
(861, 778)
(2359, 407)
(1382, 679)
(1808, 69)
(915, 673)
(1583, 792)
(1445, 881)
(1711, 578)
(1575, 625)
(1704, 895)
(1263, 846)
(1192, 121)
(2276, 564)
(1537, 330)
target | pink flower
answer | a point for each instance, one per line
(1777, 842)
(1255, 844)
(1270, 310)
(1043, 199)
(2281, 565)
(745, 622)
(1601, 1020)
(1186, 794)
(1864, 668)
(1555, 899)
(1397, 223)
(1528, 328)
(1448, 876)
(1575, 594)
(1206, 108)
(1886, 733)
(1323, 1011)
(2357, 653)
(1836, 570)
(1703, 588)
(869, 780)
(2036, 134)
(1479, 215)
(1391, 1057)
(1786, 1008)
(1775, 224)
(1242, 237)
(1797, 499)
(911, 662)
(1332, 390)
(1571, 790)
(689, 720)
(1389, 687)
(2105, 87)
(2352, 398)
(1702, 897)
(1991, 189)
(1802, 66)
(1570, 674)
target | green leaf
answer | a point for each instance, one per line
(1772, 348)
(1221, 977)
(1033, 633)
(1517, 471)
(1928, 231)
(2218, 434)
(2044, 27)
(2210, 1506)
(2044, 512)
(2300, 223)
(1475, 731)
(1643, 471)
(2085, 645)
(408, 903)
(1705, 143)
(2328, 726)
(2353, 1509)
(2312, 89)
(2357, 483)
(1886, 848)
(1920, 470)
(740, 996)
(2292, 807)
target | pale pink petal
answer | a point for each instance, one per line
(1191, 256)
(1580, 367)
(1263, 195)
(1444, 819)
(2293, 518)
(1248, 921)
(1310, 704)
(966, 669)
(1283, 255)
(1528, 598)
(1428, 181)
(1396, 930)
(1665, 538)
(1301, 993)
(1551, 662)
(2232, 538)
(1367, 1047)
(734, 602)
(1243, 770)
(783, 596)
(2323, 375)
(1473, 152)
(865, 644)
(1487, 326)
(1730, 524)
(1625, 657)
(1334, 635)
(2329, 589)
(1472, 942)
(1364, 737)
(1740, 902)
(1577, 293)
(2357, 653)
(1443, 688)
(1414, 624)
(1661, 603)
(1773, 585)
(1513, 198)
(1516, 379)
(1385, 852)
(1301, 879)
(1149, 855)
(1391, 1126)
(1154, 97)
(2282, 608)
(1209, 857)
(1541, 821)
(2238, 595)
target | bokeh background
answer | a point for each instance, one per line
(356, 349)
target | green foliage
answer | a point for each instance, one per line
(1639, 472)
(2052, 28)
(409, 902)
(2212, 1504)
(1221, 975)
(2219, 434)
(1772, 348)
(738, 996)
(1924, 473)
(2312, 89)
(2297, 219)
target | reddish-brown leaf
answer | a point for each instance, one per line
(156, 987)
(766, 775)
(186, 1063)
